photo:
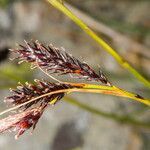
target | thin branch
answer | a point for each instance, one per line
(45, 72)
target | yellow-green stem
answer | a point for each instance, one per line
(117, 91)
(100, 41)
(101, 90)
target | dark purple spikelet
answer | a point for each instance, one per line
(22, 121)
(58, 61)
(30, 100)
(28, 114)
(26, 92)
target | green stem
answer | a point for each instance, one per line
(83, 90)
(100, 41)
(113, 90)
(116, 117)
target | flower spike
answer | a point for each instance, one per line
(58, 61)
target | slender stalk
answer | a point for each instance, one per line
(100, 90)
(116, 117)
(100, 41)
(45, 72)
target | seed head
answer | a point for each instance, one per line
(28, 114)
(56, 60)
(26, 92)
(23, 121)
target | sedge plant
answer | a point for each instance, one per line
(30, 100)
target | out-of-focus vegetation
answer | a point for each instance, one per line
(4, 3)
(59, 29)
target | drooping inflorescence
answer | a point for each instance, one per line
(26, 92)
(23, 121)
(57, 60)
(30, 100)
(28, 114)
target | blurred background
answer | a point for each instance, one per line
(93, 124)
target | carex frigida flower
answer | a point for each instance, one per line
(30, 100)
(57, 60)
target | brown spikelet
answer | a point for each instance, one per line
(30, 100)
(57, 60)
(23, 121)
(28, 114)
(26, 92)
